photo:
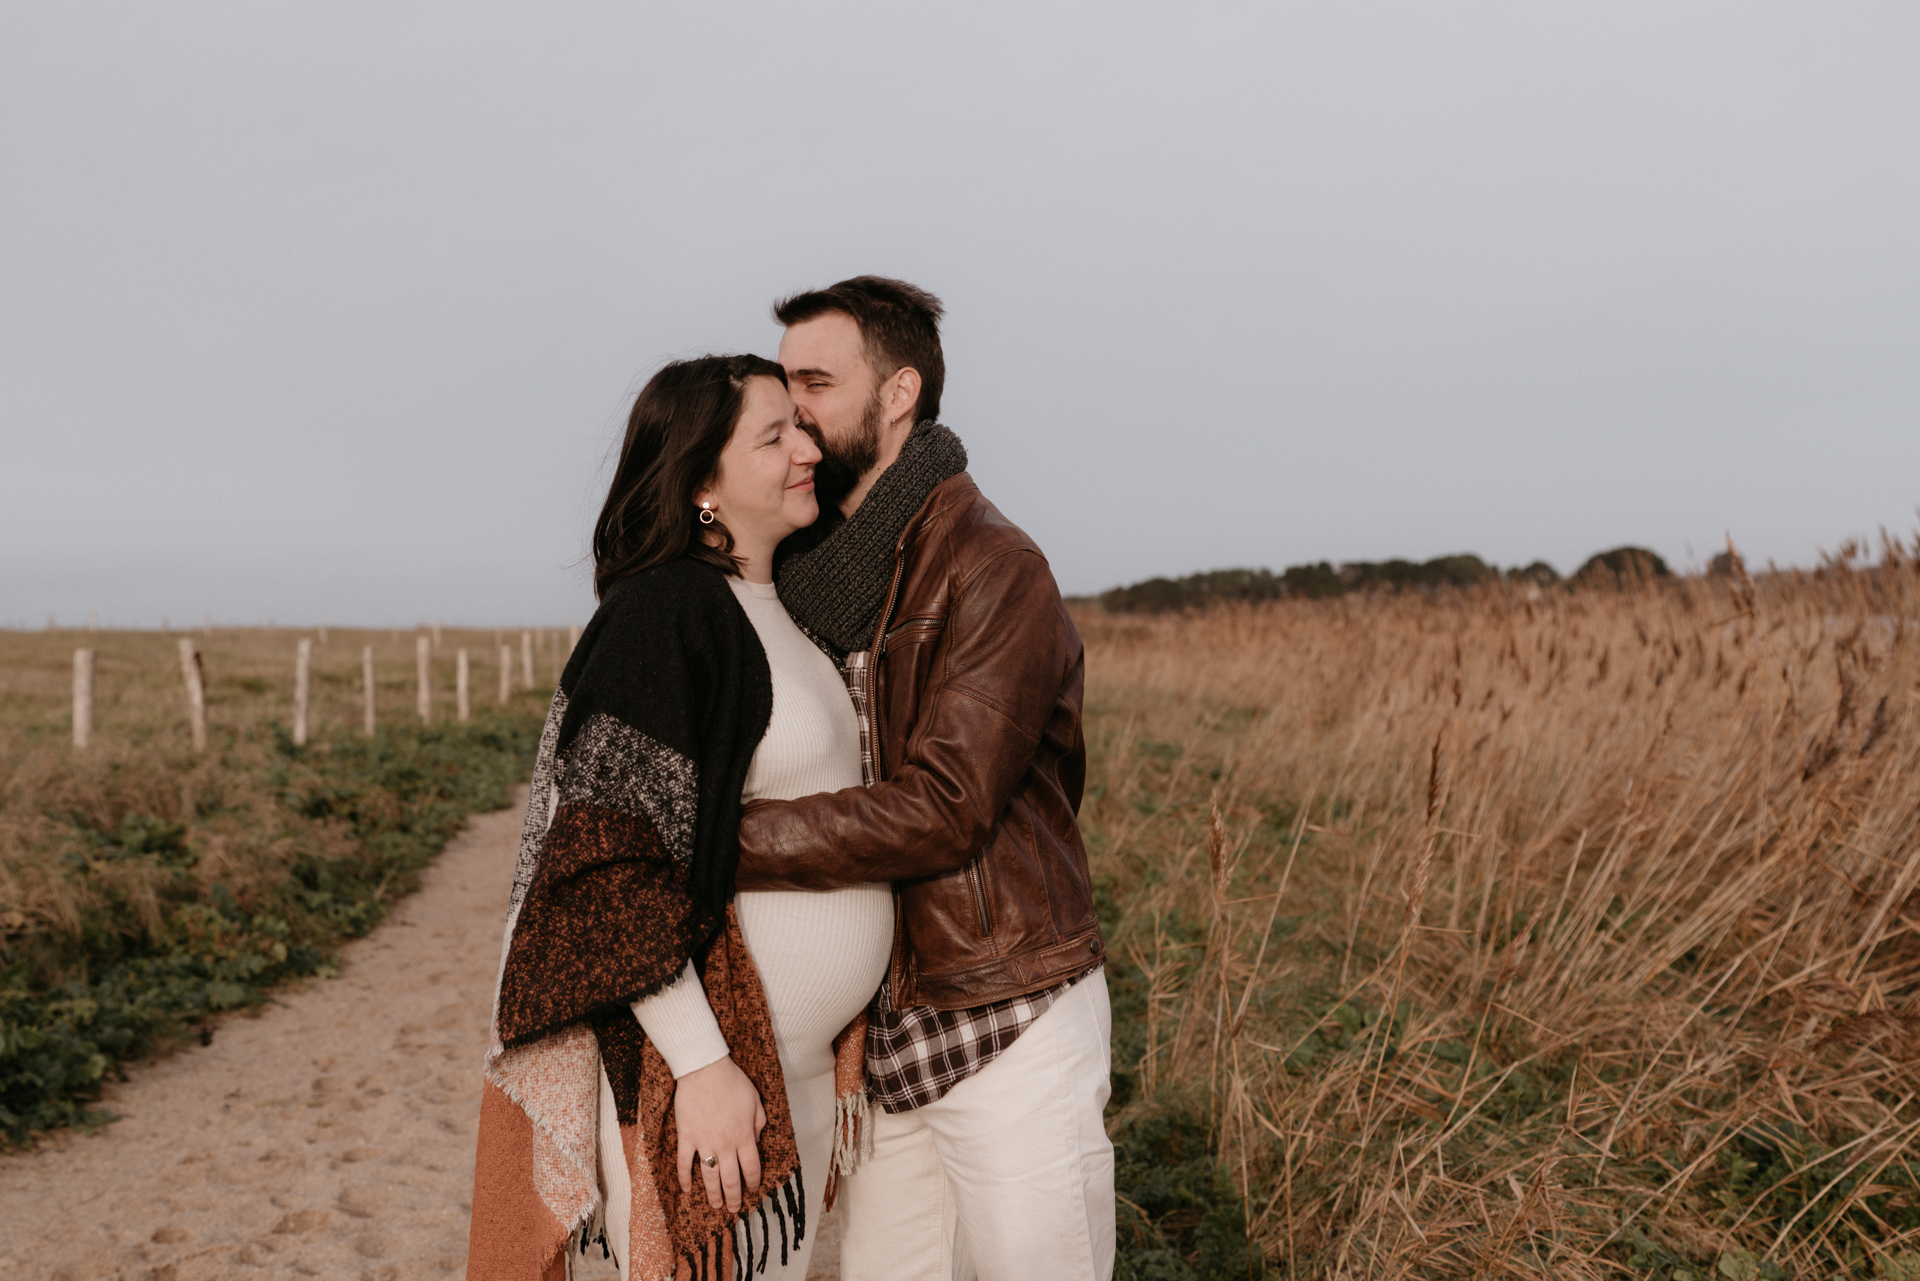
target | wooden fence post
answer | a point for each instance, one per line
(423, 655)
(463, 707)
(302, 672)
(436, 636)
(93, 620)
(526, 659)
(506, 674)
(82, 697)
(323, 633)
(196, 692)
(366, 677)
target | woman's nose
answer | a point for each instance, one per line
(808, 453)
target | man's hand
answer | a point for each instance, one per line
(718, 1114)
(749, 874)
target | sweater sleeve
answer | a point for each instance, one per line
(680, 1023)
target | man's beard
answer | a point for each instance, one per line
(842, 465)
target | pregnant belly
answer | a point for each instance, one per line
(821, 957)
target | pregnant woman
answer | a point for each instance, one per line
(672, 1063)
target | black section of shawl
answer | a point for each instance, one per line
(834, 575)
(611, 916)
(621, 1045)
(671, 653)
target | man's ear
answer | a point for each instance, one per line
(903, 392)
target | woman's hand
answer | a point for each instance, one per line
(718, 1113)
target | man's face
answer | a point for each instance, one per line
(837, 396)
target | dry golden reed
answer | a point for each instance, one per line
(1523, 933)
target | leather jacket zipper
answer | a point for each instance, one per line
(907, 624)
(980, 897)
(879, 653)
(898, 978)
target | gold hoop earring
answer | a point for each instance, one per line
(706, 513)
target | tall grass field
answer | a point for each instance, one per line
(1517, 932)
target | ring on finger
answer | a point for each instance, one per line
(710, 1161)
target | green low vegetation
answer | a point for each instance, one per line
(146, 888)
(74, 1005)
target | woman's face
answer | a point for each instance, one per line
(763, 488)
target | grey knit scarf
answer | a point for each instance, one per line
(834, 576)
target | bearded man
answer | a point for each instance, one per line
(988, 1044)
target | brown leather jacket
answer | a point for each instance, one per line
(975, 684)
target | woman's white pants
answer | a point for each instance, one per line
(1009, 1176)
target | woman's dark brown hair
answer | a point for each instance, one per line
(681, 420)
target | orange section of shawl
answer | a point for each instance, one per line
(647, 1237)
(513, 1236)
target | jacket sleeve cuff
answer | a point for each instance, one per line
(680, 1023)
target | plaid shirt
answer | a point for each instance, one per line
(915, 1055)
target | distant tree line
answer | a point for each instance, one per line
(1324, 579)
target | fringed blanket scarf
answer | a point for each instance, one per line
(626, 871)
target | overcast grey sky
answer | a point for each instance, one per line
(333, 311)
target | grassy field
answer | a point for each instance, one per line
(1510, 932)
(1498, 932)
(145, 887)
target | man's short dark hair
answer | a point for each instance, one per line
(899, 326)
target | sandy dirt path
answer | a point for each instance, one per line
(330, 1136)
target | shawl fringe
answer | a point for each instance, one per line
(852, 1132)
(731, 1252)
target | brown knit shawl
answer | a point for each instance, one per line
(625, 872)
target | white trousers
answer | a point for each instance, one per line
(1008, 1177)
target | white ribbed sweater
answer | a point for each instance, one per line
(820, 955)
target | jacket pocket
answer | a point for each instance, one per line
(977, 882)
(913, 631)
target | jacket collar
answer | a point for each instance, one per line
(948, 495)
